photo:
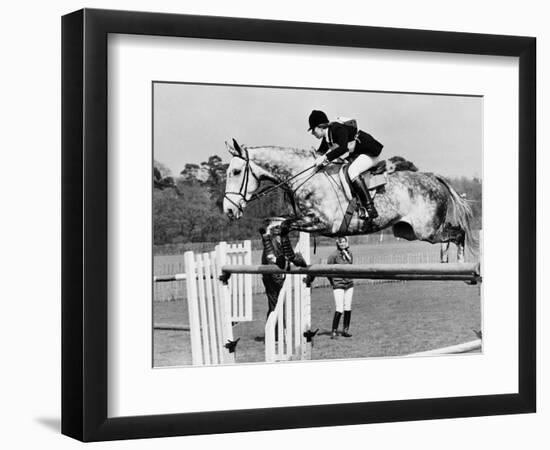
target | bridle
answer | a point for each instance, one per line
(243, 189)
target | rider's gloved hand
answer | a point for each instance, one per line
(321, 161)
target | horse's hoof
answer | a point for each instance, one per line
(308, 280)
(299, 260)
(281, 262)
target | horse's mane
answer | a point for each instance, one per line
(397, 163)
(296, 151)
(392, 164)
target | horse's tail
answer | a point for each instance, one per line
(460, 213)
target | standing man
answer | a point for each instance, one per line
(272, 250)
(342, 287)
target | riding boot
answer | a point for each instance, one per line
(347, 320)
(335, 323)
(365, 199)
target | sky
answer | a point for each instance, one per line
(439, 133)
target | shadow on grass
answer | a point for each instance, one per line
(325, 333)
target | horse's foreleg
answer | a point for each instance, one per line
(268, 234)
(269, 248)
(281, 227)
(286, 245)
(302, 224)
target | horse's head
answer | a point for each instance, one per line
(242, 181)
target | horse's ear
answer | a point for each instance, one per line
(238, 148)
(231, 150)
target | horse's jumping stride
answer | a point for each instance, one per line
(417, 205)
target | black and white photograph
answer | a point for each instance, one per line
(294, 224)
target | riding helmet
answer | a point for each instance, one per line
(317, 118)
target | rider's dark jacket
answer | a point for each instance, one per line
(339, 135)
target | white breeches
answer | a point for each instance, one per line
(342, 299)
(360, 164)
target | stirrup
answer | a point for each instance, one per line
(373, 214)
(363, 213)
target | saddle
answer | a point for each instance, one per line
(374, 177)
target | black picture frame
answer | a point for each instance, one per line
(84, 224)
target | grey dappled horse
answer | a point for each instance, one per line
(417, 205)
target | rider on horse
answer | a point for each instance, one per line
(363, 152)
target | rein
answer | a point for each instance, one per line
(270, 189)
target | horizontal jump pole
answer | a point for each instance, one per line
(176, 277)
(167, 278)
(453, 349)
(170, 327)
(428, 272)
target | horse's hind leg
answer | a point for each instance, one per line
(460, 247)
(444, 252)
(457, 236)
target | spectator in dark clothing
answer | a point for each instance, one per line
(271, 251)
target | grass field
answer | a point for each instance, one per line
(389, 319)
